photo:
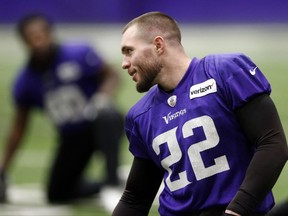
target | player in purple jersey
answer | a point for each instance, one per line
(206, 127)
(74, 86)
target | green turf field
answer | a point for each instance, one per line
(266, 45)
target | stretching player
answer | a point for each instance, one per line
(207, 126)
(74, 86)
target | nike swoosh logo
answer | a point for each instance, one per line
(253, 71)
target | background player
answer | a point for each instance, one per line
(74, 86)
(207, 126)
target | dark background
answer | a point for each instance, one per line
(117, 11)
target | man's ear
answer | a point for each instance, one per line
(159, 44)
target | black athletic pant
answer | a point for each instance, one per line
(66, 181)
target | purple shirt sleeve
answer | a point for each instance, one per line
(241, 78)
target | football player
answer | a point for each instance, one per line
(73, 85)
(206, 126)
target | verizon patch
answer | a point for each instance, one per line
(202, 89)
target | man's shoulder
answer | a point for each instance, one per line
(226, 62)
(75, 46)
(25, 73)
(24, 81)
(224, 57)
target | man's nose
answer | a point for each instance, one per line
(125, 64)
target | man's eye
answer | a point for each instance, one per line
(129, 51)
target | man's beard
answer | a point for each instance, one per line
(149, 72)
(42, 60)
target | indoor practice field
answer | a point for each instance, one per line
(267, 45)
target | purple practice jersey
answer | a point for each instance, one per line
(194, 136)
(64, 89)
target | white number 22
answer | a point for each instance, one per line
(170, 139)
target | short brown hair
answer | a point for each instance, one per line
(153, 23)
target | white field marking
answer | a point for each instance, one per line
(29, 200)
